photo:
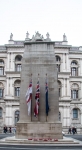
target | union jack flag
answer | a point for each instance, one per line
(37, 96)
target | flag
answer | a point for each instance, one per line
(46, 98)
(37, 96)
(29, 97)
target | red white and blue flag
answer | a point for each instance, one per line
(37, 97)
(46, 98)
(29, 97)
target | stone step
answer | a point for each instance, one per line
(39, 142)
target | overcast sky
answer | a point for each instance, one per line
(54, 16)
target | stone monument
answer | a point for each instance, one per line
(38, 62)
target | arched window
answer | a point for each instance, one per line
(58, 62)
(1, 111)
(74, 91)
(1, 67)
(17, 88)
(18, 59)
(1, 90)
(59, 88)
(74, 68)
(16, 116)
(59, 116)
(75, 113)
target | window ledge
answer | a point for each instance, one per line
(75, 119)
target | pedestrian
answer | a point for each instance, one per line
(5, 129)
(73, 130)
(10, 129)
(69, 130)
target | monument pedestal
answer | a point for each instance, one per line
(27, 130)
(39, 64)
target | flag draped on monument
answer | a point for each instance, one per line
(29, 97)
(37, 96)
(46, 98)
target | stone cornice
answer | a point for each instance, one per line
(12, 72)
(75, 77)
(75, 52)
(17, 100)
(64, 73)
(38, 42)
(66, 101)
(62, 46)
(13, 46)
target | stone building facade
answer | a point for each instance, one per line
(69, 66)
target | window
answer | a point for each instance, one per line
(58, 67)
(18, 67)
(0, 112)
(17, 116)
(74, 68)
(58, 58)
(59, 88)
(74, 94)
(75, 113)
(17, 91)
(18, 59)
(1, 93)
(74, 91)
(1, 70)
(1, 62)
(17, 88)
(1, 89)
(74, 71)
(74, 63)
(58, 62)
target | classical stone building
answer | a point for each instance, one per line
(69, 66)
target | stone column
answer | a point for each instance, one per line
(64, 117)
(81, 67)
(68, 63)
(64, 88)
(81, 117)
(8, 61)
(68, 88)
(68, 116)
(11, 87)
(80, 91)
(7, 85)
(63, 62)
(11, 62)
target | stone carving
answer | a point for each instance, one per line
(11, 36)
(64, 37)
(37, 37)
(27, 35)
(48, 37)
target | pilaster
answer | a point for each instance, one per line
(64, 62)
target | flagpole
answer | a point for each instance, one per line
(31, 102)
(45, 82)
(39, 100)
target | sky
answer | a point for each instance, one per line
(54, 16)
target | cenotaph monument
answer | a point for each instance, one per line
(38, 63)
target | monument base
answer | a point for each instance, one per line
(39, 130)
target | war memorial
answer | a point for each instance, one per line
(39, 65)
